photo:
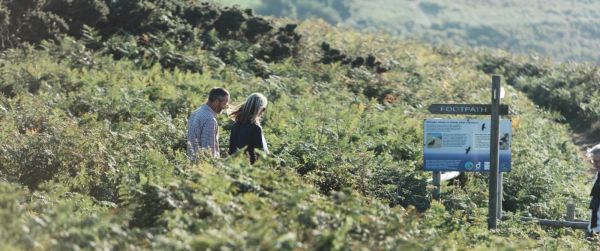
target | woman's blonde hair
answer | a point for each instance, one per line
(249, 111)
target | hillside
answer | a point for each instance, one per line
(562, 30)
(93, 124)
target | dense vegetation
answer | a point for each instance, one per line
(563, 30)
(92, 130)
(571, 89)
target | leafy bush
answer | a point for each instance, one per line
(571, 89)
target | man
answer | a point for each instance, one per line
(594, 155)
(203, 130)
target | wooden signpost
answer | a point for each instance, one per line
(495, 194)
(495, 109)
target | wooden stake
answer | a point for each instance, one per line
(495, 137)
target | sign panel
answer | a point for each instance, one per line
(464, 145)
(473, 109)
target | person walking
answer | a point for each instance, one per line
(594, 155)
(203, 129)
(246, 131)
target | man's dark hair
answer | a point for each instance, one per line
(217, 93)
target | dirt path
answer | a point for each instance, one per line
(582, 141)
(588, 138)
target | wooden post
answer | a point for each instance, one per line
(575, 224)
(437, 182)
(500, 195)
(559, 224)
(570, 211)
(495, 137)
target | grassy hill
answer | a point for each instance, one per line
(93, 140)
(562, 30)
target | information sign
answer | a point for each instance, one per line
(464, 145)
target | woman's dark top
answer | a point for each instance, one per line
(596, 187)
(246, 135)
(595, 202)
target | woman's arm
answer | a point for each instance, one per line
(256, 141)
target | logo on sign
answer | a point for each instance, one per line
(469, 165)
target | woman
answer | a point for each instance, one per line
(246, 131)
(594, 155)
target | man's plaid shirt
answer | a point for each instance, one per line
(203, 131)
